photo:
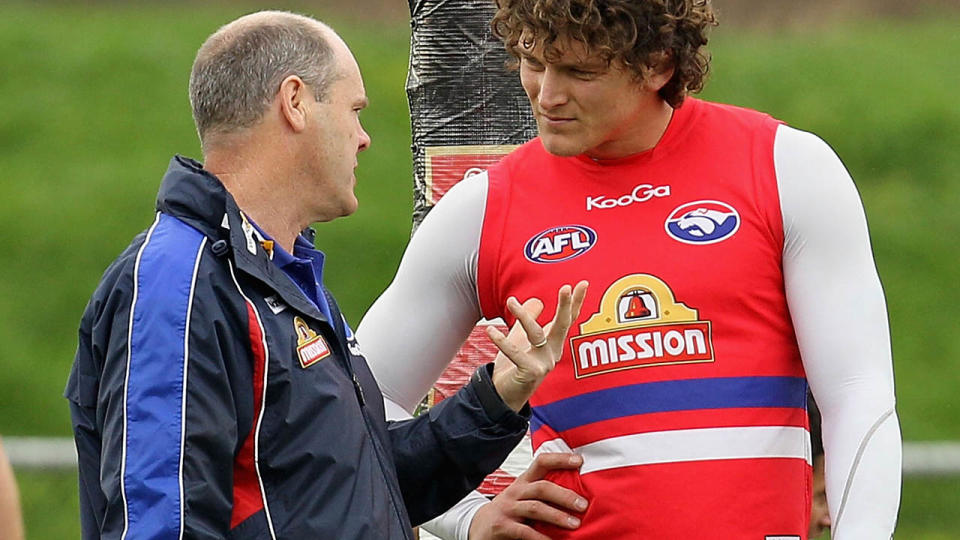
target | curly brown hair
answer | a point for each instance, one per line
(641, 34)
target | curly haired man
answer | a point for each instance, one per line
(730, 267)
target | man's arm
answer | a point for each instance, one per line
(472, 432)
(447, 451)
(154, 412)
(416, 326)
(839, 315)
(435, 288)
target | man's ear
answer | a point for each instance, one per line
(293, 99)
(659, 71)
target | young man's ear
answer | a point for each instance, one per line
(658, 72)
(293, 98)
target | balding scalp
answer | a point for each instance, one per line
(238, 70)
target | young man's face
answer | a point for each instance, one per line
(584, 106)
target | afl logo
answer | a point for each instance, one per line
(703, 222)
(560, 244)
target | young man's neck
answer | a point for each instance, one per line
(643, 137)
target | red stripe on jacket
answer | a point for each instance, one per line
(247, 499)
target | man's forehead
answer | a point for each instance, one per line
(563, 50)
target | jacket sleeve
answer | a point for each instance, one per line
(153, 404)
(442, 455)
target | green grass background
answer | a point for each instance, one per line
(94, 104)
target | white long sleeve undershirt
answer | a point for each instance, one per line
(833, 292)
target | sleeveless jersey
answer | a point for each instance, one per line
(682, 385)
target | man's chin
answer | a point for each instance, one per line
(350, 207)
(558, 146)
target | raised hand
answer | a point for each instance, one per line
(531, 363)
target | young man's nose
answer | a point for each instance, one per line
(553, 92)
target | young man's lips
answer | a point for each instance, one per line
(556, 121)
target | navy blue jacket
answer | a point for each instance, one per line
(209, 397)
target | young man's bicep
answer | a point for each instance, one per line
(414, 329)
(839, 315)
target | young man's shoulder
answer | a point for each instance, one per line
(724, 112)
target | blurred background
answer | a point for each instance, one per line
(93, 103)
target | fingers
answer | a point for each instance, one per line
(569, 304)
(528, 370)
(548, 461)
(509, 349)
(493, 521)
(579, 295)
(541, 500)
(527, 320)
(534, 306)
(536, 510)
(520, 531)
(553, 494)
(531, 499)
(561, 319)
(517, 334)
(533, 485)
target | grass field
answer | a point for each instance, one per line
(94, 104)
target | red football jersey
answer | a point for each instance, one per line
(682, 384)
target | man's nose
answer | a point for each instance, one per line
(553, 92)
(364, 141)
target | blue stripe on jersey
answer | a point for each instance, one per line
(667, 396)
(156, 380)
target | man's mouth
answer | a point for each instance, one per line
(552, 120)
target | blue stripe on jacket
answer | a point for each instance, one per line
(668, 396)
(156, 380)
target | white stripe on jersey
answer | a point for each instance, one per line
(683, 445)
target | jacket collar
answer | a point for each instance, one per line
(198, 198)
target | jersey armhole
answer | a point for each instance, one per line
(488, 257)
(768, 185)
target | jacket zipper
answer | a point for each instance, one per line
(340, 332)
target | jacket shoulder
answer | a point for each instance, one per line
(152, 283)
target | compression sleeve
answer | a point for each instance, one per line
(417, 325)
(839, 315)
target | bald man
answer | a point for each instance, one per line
(218, 391)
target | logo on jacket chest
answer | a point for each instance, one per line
(640, 324)
(311, 347)
(560, 244)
